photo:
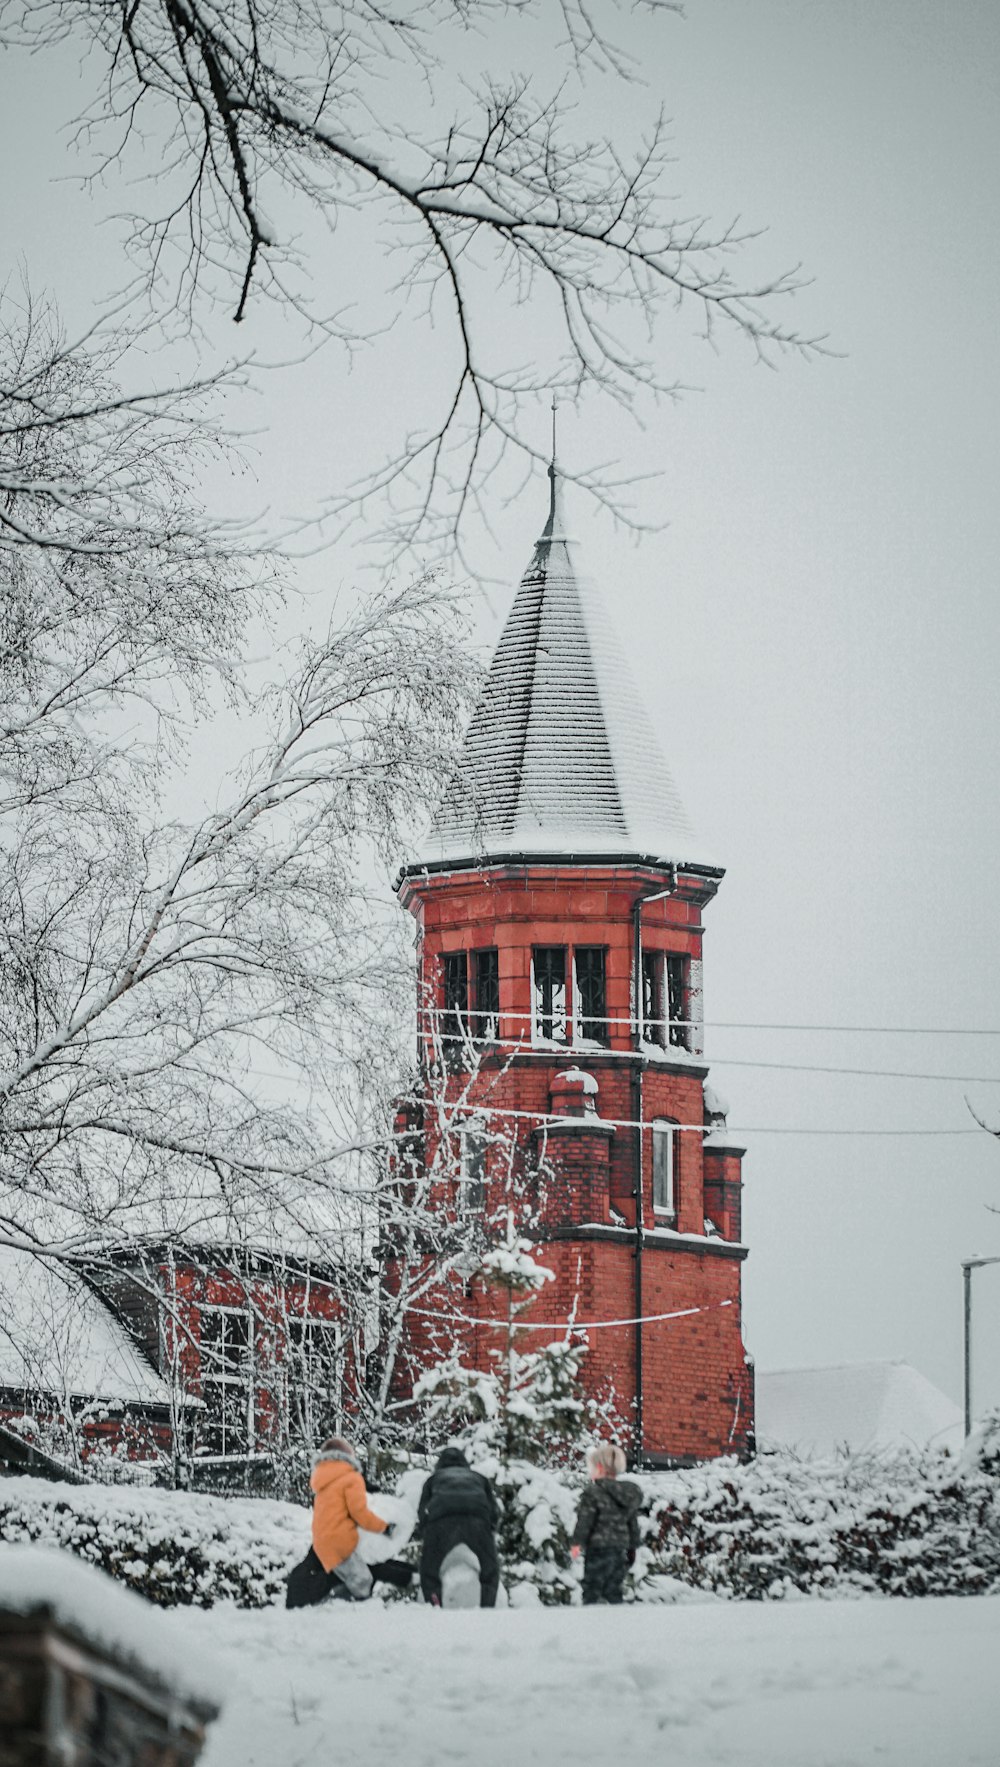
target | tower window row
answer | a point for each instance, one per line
(568, 996)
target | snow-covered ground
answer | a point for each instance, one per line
(787, 1684)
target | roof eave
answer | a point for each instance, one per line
(489, 861)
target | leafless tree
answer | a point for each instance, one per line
(152, 964)
(492, 208)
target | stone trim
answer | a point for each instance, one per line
(653, 1239)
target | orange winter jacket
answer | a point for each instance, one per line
(340, 1508)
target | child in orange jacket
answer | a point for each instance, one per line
(340, 1508)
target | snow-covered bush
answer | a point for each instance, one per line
(176, 1549)
(909, 1524)
(905, 1525)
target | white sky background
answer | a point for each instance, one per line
(815, 629)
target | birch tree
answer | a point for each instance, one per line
(153, 963)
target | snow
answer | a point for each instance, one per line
(673, 1055)
(824, 1684)
(57, 1336)
(866, 1406)
(716, 1103)
(512, 1266)
(578, 1077)
(86, 1601)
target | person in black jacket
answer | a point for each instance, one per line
(607, 1525)
(457, 1508)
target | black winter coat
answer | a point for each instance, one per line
(453, 1489)
(608, 1514)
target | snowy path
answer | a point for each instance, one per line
(807, 1684)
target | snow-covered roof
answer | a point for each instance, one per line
(57, 1336)
(561, 756)
(86, 1601)
(870, 1406)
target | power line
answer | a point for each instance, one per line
(725, 1024)
(477, 1109)
(467, 1014)
(565, 1324)
(472, 1109)
(801, 1067)
(685, 1057)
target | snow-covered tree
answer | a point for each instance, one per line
(194, 1003)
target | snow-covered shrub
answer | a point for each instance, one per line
(903, 1525)
(909, 1524)
(174, 1548)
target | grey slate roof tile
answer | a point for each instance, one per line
(561, 755)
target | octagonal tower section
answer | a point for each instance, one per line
(559, 911)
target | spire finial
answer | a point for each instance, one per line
(555, 526)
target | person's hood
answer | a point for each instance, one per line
(333, 1457)
(624, 1493)
(452, 1457)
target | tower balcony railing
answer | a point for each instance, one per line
(452, 1030)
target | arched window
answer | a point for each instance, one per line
(664, 1166)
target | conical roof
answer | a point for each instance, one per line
(561, 757)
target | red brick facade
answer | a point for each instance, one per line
(251, 1358)
(620, 1249)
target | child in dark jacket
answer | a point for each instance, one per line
(607, 1525)
(457, 1508)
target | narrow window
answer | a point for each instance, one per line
(487, 1019)
(677, 998)
(456, 997)
(472, 1172)
(314, 1369)
(652, 1002)
(227, 1380)
(663, 1167)
(548, 970)
(591, 1010)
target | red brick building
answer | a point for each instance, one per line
(559, 911)
(210, 1363)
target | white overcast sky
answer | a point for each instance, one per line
(816, 626)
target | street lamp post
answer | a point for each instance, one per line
(968, 1265)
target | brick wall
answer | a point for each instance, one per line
(697, 1393)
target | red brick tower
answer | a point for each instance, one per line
(559, 911)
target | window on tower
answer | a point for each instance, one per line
(676, 971)
(548, 989)
(652, 997)
(455, 1016)
(665, 999)
(664, 1162)
(590, 993)
(487, 1014)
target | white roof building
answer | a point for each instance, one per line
(863, 1406)
(561, 759)
(58, 1337)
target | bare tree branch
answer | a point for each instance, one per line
(506, 207)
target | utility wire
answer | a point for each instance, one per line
(439, 1012)
(548, 1117)
(727, 1024)
(675, 1051)
(685, 1058)
(471, 1109)
(566, 1324)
